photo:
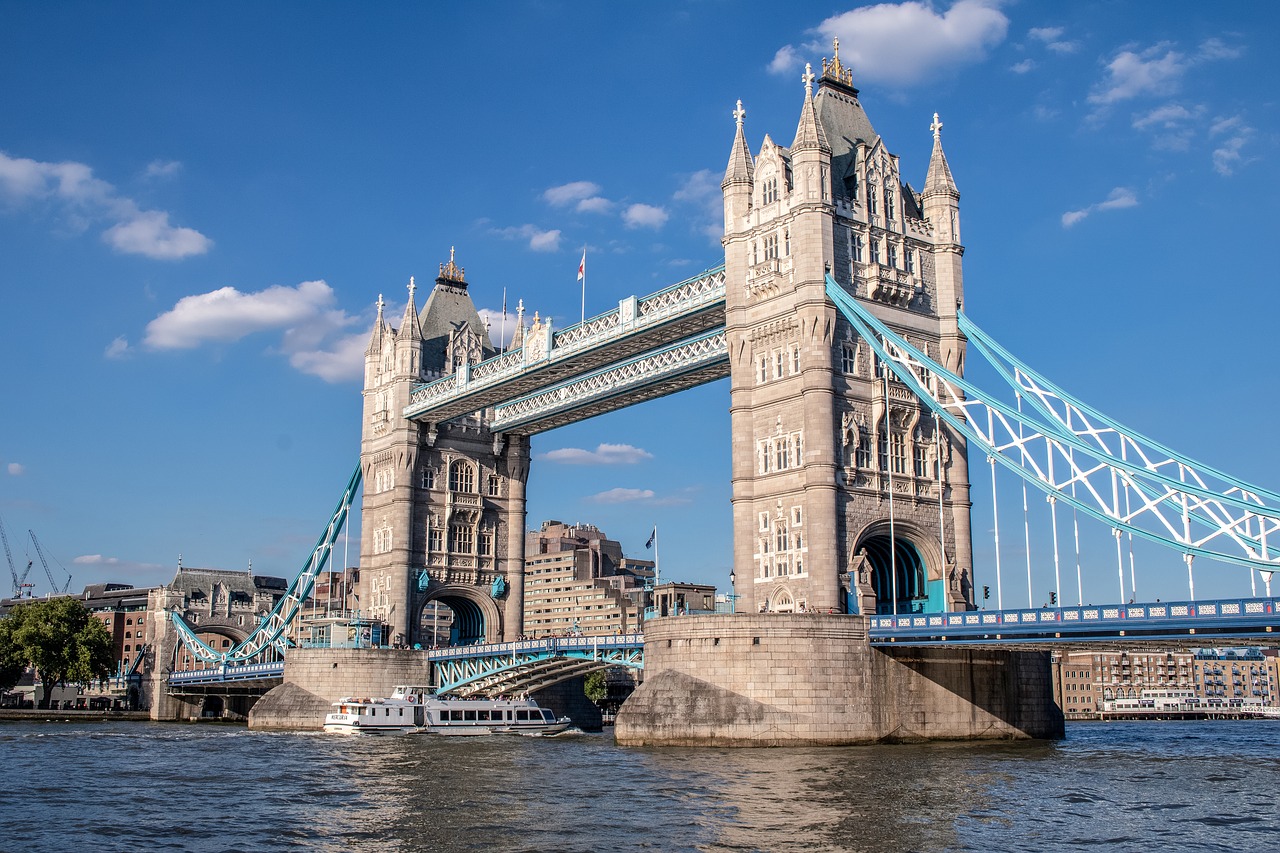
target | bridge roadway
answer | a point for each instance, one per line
(646, 347)
(529, 665)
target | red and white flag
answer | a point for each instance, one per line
(582, 266)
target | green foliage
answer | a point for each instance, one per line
(595, 686)
(57, 637)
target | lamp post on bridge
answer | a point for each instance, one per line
(732, 595)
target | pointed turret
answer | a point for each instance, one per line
(939, 178)
(809, 133)
(409, 327)
(380, 331)
(739, 177)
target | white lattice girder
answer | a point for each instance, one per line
(1076, 455)
(668, 370)
(692, 307)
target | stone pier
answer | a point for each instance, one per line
(809, 679)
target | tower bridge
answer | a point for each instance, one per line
(837, 318)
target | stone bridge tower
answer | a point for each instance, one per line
(847, 496)
(444, 505)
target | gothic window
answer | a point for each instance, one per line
(780, 537)
(848, 358)
(909, 260)
(888, 203)
(462, 539)
(485, 543)
(771, 247)
(382, 540)
(766, 459)
(435, 539)
(893, 256)
(782, 449)
(428, 478)
(764, 521)
(898, 450)
(856, 249)
(797, 518)
(922, 460)
(493, 486)
(764, 368)
(383, 480)
(461, 478)
(795, 359)
(875, 251)
(778, 363)
(871, 198)
(786, 242)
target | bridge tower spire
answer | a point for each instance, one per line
(443, 509)
(846, 495)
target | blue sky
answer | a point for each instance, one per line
(200, 204)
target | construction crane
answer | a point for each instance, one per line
(40, 553)
(19, 582)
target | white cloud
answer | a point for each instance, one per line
(1051, 37)
(621, 496)
(1120, 197)
(314, 335)
(15, 469)
(540, 240)
(702, 190)
(118, 348)
(873, 38)
(1228, 153)
(84, 198)
(227, 314)
(1157, 70)
(162, 168)
(95, 560)
(566, 194)
(604, 454)
(644, 216)
(1167, 116)
(786, 60)
(1216, 48)
(1022, 67)
(149, 233)
(595, 204)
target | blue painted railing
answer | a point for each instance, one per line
(228, 672)
(1238, 617)
(549, 645)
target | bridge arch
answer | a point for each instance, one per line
(220, 638)
(474, 616)
(917, 559)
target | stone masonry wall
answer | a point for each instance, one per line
(316, 678)
(802, 679)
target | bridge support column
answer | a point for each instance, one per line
(808, 679)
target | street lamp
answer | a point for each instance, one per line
(733, 593)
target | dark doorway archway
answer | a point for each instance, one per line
(901, 557)
(450, 620)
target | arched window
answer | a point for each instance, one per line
(461, 478)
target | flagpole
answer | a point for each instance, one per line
(582, 274)
(502, 336)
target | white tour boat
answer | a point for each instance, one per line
(418, 709)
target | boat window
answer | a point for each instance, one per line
(455, 715)
(470, 716)
(522, 715)
(546, 715)
(482, 714)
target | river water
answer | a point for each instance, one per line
(157, 786)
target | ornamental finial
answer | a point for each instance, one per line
(936, 127)
(835, 70)
(380, 304)
(412, 287)
(739, 114)
(807, 77)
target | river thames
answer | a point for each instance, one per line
(158, 786)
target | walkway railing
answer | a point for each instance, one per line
(1185, 621)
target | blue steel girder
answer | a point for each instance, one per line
(1078, 456)
(668, 370)
(637, 325)
(529, 665)
(271, 636)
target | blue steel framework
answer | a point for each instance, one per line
(528, 665)
(270, 638)
(1080, 457)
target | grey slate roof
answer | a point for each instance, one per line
(845, 124)
(449, 307)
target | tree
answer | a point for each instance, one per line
(59, 639)
(595, 686)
